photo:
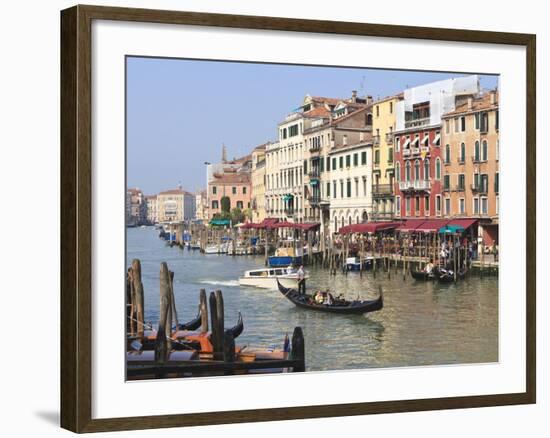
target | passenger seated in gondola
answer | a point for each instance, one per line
(328, 299)
(429, 267)
(319, 297)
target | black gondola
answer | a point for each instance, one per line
(424, 276)
(238, 328)
(448, 276)
(194, 324)
(340, 306)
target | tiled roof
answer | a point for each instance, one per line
(174, 192)
(230, 178)
(478, 104)
(329, 100)
(320, 111)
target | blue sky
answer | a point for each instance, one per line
(179, 112)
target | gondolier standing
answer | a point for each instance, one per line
(301, 281)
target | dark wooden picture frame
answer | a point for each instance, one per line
(76, 217)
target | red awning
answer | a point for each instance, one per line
(410, 225)
(369, 227)
(309, 226)
(464, 223)
(432, 225)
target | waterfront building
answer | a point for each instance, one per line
(138, 209)
(417, 142)
(201, 206)
(383, 128)
(286, 161)
(175, 205)
(348, 123)
(233, 185)
(351, 183)
(470, 139)
(151, 209)
(257, 180)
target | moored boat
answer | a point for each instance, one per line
(424, 275)
(447, 276)
(354, 264)
(341, 306)
(266, 278)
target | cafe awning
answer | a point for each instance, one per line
(464, 223)
(410, 225)
(432, 225)
(369, 227)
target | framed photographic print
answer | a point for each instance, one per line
(268, 218)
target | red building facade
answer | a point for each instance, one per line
(418, 172)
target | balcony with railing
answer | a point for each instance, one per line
(389, 138)
(415, 150)
(425, 149)
(314, 173)
(376, 140)
(382, 190)
(315, 147)
(417, 185)
(413, 123)
(479, 188)
(406, 152)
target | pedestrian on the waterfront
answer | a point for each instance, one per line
(301, 281)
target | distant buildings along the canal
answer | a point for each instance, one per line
(257, 180)
(175, 205)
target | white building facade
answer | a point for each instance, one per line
(351, 184)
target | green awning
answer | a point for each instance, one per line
(288, 197)
(220, 222)
(314, 182)
(451, 229)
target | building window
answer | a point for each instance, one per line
(398, 171)
(356, 159)
(215, 205)
(416, 170)
(447, 154)
(476, 121)
(240, 205)
(462, 124)
(484, 206)
(438, 205)
(363, 158)
(214, 190)
(341, 162)
(447, 126)
(447, 206)
(407, 206)
(417, 205)
(484, 152)
(462, 152)
(496, 120)
(356, 187)
(348, 188)
(426, 169)
(461, 181)
(377, 111)
(334, 164)
(496, 182)
(408, 171)
(461, 206)
(341, 189)
(446, 182)
(437, 169)
(427, 205)
(476, 151)
(244, 190)
(390, 155)
(377, 156)
(391, 107)
(234, 190)
(348, 160)
(334, 189)
(364, 186)
(476, 205)
(397, 144)
(398, 205)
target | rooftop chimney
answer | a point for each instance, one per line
(354, 96)
(493, 97)
(345, 140)
(470, 103)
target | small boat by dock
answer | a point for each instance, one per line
(286, 255)
(267, 278)
(216, 249)
(424, 275)
(354, 263)
(341, 306)
(447, 276)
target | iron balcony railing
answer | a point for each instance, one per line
(389, 138)
(414, 185)
(382, 189)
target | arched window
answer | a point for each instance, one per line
(416, 170)
(398, 171)
(462, 152)
(343, 221)
(426, 169)
(476, 151)
(408, 171)
(437, 168)
(335, 224)
(365, 216)
(447, 153)
(484, 152)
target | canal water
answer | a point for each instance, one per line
(422, 323)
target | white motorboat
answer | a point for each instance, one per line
(267, 278)
(216, 249)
